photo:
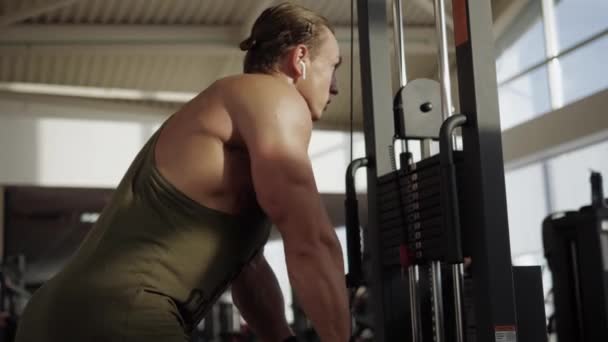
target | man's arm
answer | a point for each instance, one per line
(276, 126)
(257, 295)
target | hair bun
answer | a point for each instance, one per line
(247, 44)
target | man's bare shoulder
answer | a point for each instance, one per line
(264, 108)
(261, 92)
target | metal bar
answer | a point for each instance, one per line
(444, 62)
(399, 44)
(2, 222)
(437, 291)
(403, 149)
(390, 302)
(426, 148)
(486, 234)
(458, 279)
(413, 274)
(400, 59)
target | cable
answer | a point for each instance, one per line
(352, 53)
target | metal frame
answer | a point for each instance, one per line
(2, 223)
(486, 238)
(388, 289)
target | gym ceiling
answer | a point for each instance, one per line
(159, 53)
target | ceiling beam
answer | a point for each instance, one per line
(571, 127)
(32, 11)
(40, 105)
(174, 39)
(97, 92)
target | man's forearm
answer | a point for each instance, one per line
(257, 294)
(318, 280)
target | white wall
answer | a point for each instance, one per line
(71, 142)
(57, 142)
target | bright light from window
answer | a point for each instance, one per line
(95, 92)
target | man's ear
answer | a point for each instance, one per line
(298, 55)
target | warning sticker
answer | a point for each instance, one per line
(505, 333)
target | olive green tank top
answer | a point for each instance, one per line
(153, 237)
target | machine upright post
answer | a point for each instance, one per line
(391, 302)
(485, 237)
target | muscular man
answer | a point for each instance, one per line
(191, 214)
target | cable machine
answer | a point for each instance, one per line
(425, 216)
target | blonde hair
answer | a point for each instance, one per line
(278, 29)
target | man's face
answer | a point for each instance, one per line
(320, 84)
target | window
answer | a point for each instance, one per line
(328, 152)
(76, 152)
(527, 207)
(584, 71)
(522, 45)
(579, 19)
(524, 98)
(569, 176)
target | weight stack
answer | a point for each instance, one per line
(411, 211)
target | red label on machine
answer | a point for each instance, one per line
(461, 28)
(505, 333)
